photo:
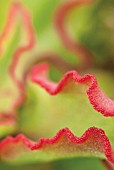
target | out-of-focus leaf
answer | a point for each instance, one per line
(11, 93)
(93, 26)
(68, 164)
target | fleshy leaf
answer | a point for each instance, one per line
(96, 96)
(92, 143)
(17, 95)
(67, 104)
(69, 99)
(62, 108)
(72, 45)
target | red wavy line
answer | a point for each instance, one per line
(93, 131)
(75, 47)
(96, 96)
(30, 44)
(8, 26)
(16, 9)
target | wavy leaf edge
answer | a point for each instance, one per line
(92, 131)
(97, 98)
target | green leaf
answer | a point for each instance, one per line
(68, 164)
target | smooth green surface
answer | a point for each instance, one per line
(68, 164)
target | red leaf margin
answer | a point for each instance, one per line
(96, 96)
(75, 47)
(15, 10)
(43, 142)
(27, 24)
